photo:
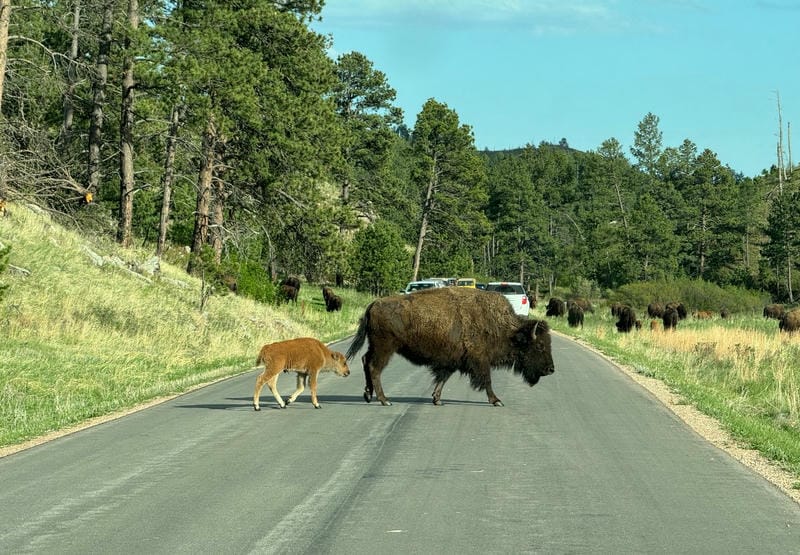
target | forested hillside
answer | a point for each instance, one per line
(225, 128)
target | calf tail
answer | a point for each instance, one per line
(361, 334)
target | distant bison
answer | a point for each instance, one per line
(332, 301)
(774, 311)
(615, 308)
(452, 329)
(724, 313)
(703, 314)
(292, 282)
(555, 307)
(679, 307)
(655, 310)
(575, 316)
(585, 305)
(288, 293)
(670, 318)
(626, 319)
(790, 321)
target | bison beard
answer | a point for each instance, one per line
(451, 329)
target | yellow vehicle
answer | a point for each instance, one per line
(465, 282)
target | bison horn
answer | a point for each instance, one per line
(533, 333)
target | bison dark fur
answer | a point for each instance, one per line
(790, 321)
(556, 307)
(679, 307)
(655, 310)
(626, 319)
(773, 311)
(288, 293)
(585, 304)
(670, 318)
(452, 329)
(575, 316)
(333, 303)
(292, 282)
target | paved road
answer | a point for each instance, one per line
(585, 462)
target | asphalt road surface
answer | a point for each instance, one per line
(584, 462)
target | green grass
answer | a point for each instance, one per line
(741, 371)
(79, 341)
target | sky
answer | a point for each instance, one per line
(522, 72)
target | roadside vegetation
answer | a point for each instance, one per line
(739, 370)
(79, 340)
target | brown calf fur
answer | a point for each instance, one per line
(307, 357)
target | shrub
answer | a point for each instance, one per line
(695, 294)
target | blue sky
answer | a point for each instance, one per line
(525, 71)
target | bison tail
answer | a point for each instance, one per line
(361, 335)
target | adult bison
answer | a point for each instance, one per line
(626, 319)
(452, 329)
(655, 310)
(670, 318)
(679, 307)
(584, 304)
(790, 321)
(332, 301)
(555, 307)
(774, 311)
(575, 316)
(288, 293)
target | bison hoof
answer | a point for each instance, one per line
(256, 408)
(317, 406)
(497, 403)
(367, 397)
(437, 402)
(386, 402)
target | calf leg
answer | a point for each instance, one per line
(270, 378)
(301, 385)
(312, 384)
(273, 383)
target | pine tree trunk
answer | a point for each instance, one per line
(126, 179)
(72, 77)
(201, 216)
(99, 99)
(169, 175)
(217, 219)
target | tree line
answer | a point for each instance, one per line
(224, 127)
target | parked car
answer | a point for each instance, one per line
(422, 284)
(465, 282)
(514, 292)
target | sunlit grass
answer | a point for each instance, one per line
(741, 370)
(79, 341)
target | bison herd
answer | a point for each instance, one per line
(663, 315)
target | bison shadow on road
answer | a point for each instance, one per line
(246, 403)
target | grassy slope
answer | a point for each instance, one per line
(79, 340)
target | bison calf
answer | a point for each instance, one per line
(307, 357)
(452, 329)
